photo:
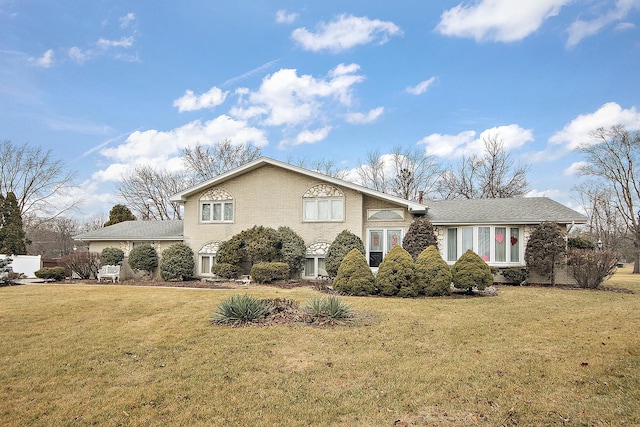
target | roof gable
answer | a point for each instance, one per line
(262, 161)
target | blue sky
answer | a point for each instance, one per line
(107, 85)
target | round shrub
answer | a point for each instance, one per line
(471, 271)
(396, 274)
(354, 276)
(264, 272)
(225, 270)
(50, 273)
(433, 274)
(177, 262)
(111, 256)
(293, 251)
(419, 237)
(262, 244)
(143, 258)
(339, 248)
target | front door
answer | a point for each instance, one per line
(380, 242)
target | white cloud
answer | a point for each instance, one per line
(623, 26)
(312, 136)
(364, 118)
(580, 29)
(498, 20)
(124, 42)
(344, 33)
(126, 20)
(466, 143)
(282, 17)
(285, 98)
(610, 114)
(46, 60)
(160, 147)
(421, 87)
(78, 55)
(192, 102)
(574, 168)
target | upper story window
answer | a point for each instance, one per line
(216, 206)
(323, 202)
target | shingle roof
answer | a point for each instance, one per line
(524, 210)
(137, 230)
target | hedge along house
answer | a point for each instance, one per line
(270, 193)
(129, 234)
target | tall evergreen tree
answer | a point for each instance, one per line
(119, 213)
(13, 239)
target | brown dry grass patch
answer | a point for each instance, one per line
(124, 355)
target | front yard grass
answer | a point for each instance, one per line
(116, 355)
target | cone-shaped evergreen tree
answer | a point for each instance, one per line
(471, 271)
(119, 213)
(339, 248)
(396, 275)
(419, 237)
(433, 274)
(354, 275)
(13, 239)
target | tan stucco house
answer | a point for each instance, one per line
(271, 193)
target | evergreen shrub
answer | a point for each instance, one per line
(433, 274)
(344, 242)
(546, 250)
(177, 262)
(111, 256)
(354, 277)
(293, 250)
(471, 271)
(225, 270)
(51, 273)
(143, 258)
(264, 272)
(420, 236)
(396, 274)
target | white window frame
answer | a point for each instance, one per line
(316, 266)
(385, 245)
(223, 210)
(475, 246)
(312, 212)
(212, 260)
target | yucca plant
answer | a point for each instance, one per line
(238, 309)
(327, 309)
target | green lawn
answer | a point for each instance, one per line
(117, 355)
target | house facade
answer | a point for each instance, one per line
(317, 207)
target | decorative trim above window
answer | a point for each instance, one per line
(210, 248)
(385, 214)
(318, 248)
(216, 194)
(323, 190)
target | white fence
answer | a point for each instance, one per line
(25, 264)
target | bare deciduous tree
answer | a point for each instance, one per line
(210, 161)
(405, 173)
(324, 166)
(51, 237)
(36, 178)
(147, 191)
(491, 175)
(613, 158)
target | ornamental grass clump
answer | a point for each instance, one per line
(433, 274)
(328, 309)
(239, 309)
(396, 274)
(470, 271)
(354, 276)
